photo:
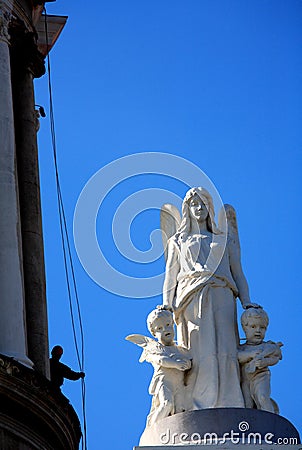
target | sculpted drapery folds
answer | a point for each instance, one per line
(203, 278)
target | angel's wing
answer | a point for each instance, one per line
(169, 223)
(228, 215)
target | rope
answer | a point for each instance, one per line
(67, 255)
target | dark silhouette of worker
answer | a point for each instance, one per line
(59, 371)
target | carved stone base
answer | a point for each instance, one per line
(221, 426)
(32, 415)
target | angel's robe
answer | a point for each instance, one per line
(205, 312)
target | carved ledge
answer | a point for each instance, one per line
(7, 366)
(32, 412)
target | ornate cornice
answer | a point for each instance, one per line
(24, 50)
(7, 366)
(5, 18)
(16, 9)
(20, 13)
(17, 30)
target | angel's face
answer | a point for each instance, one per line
(163, 330)
(198, 209)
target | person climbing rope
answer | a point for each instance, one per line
(59, 371)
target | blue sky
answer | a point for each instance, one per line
(217, 83)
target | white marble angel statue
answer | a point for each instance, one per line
(203, 279)
(170, 363)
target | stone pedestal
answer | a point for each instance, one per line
(221, 426)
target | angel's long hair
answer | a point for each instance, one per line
(185, 225)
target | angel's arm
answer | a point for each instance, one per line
(237, 273)
(172, 270)
(228, 214)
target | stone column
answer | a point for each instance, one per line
(27, 63)
(12, 311)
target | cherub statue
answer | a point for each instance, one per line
(255, 357)
(170, 363)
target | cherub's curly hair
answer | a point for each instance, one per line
(258, 313)
(159, 311)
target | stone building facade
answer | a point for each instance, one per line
(32, 416)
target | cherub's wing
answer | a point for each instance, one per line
(139, 339)
(227, 217)
(169, 223)
(148, 344)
